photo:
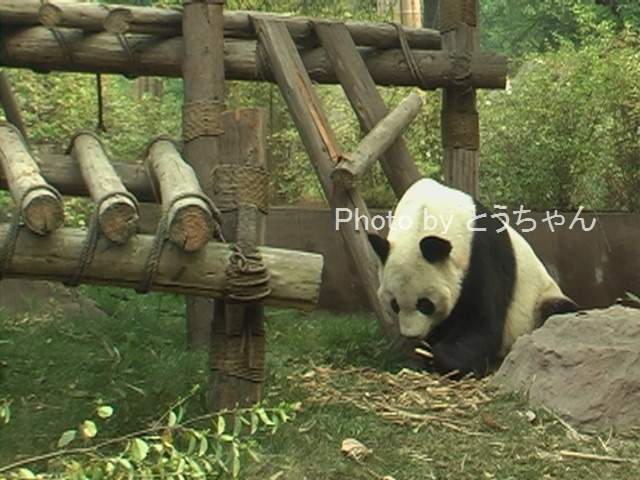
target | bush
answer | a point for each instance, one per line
(567, 131)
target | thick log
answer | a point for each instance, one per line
(117, 212)
(41, 208)
(377, 142)
(168, 23)
(319, 140)
(459, 118)
(243, 145)
(63, 173)
(361, 90)
(37, 48)
(202, 69)
(295, 276)
(189, 218)
(10, 106)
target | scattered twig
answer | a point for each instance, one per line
(597, 458)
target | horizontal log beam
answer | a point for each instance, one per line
(37, 48)
(63, 173)
(168, 23)
(377, 141)
(295, 276)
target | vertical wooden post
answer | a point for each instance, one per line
(460, 125)
(241, 182)
(203, 77)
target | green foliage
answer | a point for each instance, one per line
(174, 447)
(518, 27)
(566, 134)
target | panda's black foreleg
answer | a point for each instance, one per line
(471, 353)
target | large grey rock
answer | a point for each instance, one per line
(584, 367)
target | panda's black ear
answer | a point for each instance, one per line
(435, 249)
(380, 246)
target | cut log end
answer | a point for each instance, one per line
(118, 21)
(118, 219)
(49, 15)
(190, 225)
(42, 212)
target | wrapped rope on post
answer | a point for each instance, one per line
(37, 202)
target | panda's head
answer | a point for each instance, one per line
(420, 281)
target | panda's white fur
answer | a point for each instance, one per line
(407, 277)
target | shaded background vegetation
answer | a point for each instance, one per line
(565, 133)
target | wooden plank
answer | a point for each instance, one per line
(319, 140)
(377, 141)
(238, 336)
(361, 90)
(37, 48)
(460, 122)
(190, 220)
(41, 208)
(295, 280)
(117, 212)
(202, 68)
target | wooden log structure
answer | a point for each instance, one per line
(362, 92)
(377, 141)
(40, 206)
(203, 72)
(459, 119)
(121, 19)
(295, 276)
(320, 142)
(117, 211)
(37, 48)
(241, 192)
(190, 222)
(10, 106)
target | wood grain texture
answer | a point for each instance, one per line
(118, 214)
(295, 276)
(42, 210)
(377, 142)
(362, 92)
(37, 48)
(319, 140)
(189, 218)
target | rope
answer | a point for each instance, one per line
(247, 184)
(153, 258)
(91, 239)
(247, 276)
(202, 119)
(409, 57)
(62, 43)
(8, 246)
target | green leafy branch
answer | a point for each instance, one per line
(171, 447)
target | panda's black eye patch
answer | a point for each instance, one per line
(394, 306)
(425, 306)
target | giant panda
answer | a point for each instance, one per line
(459, 283)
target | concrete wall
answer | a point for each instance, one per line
(594, 268)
